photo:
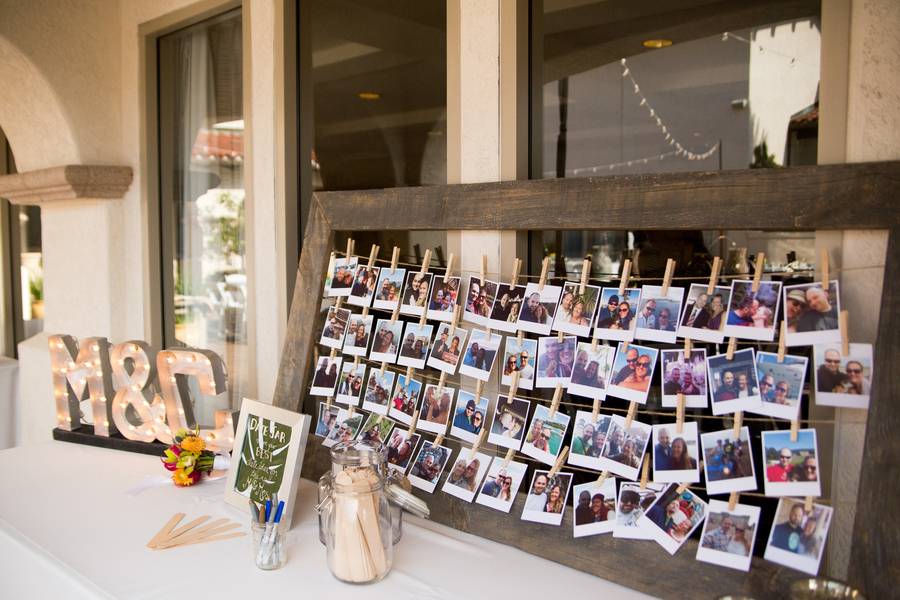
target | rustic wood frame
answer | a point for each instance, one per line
(849, 196)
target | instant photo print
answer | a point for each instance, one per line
(356, 341)
(376, 429)
(508, 426)
(594, 507)
(791, 467)
(346, 428)
(686, 376)
(444, 298)
(728, 462)
(378, 390)
(704, 315)
(592, 371)
(539, 308)
(335, 327)
(389, 289)
(400, 448)
(327, 419)
(547, 497)
(340, 280)
(326, 375)
(519, 357)
(631, 503)
(415, 346)
(674, 516)
(555, 361)
(733, 383)
(351, 384)
(365, 282)
(405, 399)
(436, 408)
(728, 536)
(617, 314)
(797, 538)
(480, 355)
(576, 310)
(507, 306)
(386, 341)
(501, 485)
(657, 317)
(751, 315)
(544, 438)
(633, 372)
(415, 293)
(447, 349)
(479, 300)
(469, 416)
(840, 380)
(812, 313)
(623, 451)
(676, 455)
(588, 439)
(780, 385)
(428, 465)
(465, 477)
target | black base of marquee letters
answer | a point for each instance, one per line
(85, 435)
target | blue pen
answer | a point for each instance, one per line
(278, 511)
(268, 510)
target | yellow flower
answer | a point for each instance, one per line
(182, 478)
(193, 444)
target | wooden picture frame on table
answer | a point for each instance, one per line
(278, 432)
(860, 196)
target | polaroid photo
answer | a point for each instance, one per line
(588, 439)
(843, 380)
(797, 538)
(729, 535)
(539, 308)
(447, 349)
(389, 286)
(335, 327)
(592, 370)
(378, 390)
(703, 317)
(575, 312)
(508, 426)
(326, 376)
(630, 506)
(595, 507)
(780, 385)
(400, 449)
(480, 355)
(685, 376)
(791, 468)
(364, 286)
(428, 466)
(327, 419)
(728, 462)
(519, 357)
(469, 417)
(676, 456)
(340, 281)
(812, 314)
(555, 361)
(544, 438)
(376, 429)
(351, 384)
(435, 410)
(673, 517)
(658, 315)
(507, 306)
(547, 496)
(415, 293)
(444, 297)
(733, 384)
(466, 475)
(501, 484)
(623, 450)
(616, 317)
(345, 429)
(415, 346)
(633, 370)
(405, 399)
(479, 300)
(386, 340)
(751, 316)
(356, 342)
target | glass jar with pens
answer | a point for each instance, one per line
(268, 539)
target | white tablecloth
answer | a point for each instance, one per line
(69, 530)
(9, 393)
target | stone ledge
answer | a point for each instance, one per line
(68, 183)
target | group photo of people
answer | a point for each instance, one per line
(576, 309)
(733, 383)
(340, 281)
(797, 538)
(547, 497)
(415, 346)
(791, 466)
(350, 384)
(326, 376)
(389, 288)
(685, 376)
(728, 461)
(617, 311)
(480, 299)
(519, 357)
(469, 417)
(378, 390)
(447, 348)
(406, 395)
(539, 308)
(505, 312)
(365, 283)
(480, 354)
(676, 514)
(415, 293)
(400, 447)
(704, 313)
(591, 370)
(356, 342)
(443, 298)
(674, 451)
(812, 313)
(386, 340)
(588, 439)
(428, 466)
(335, 327)
(633, 372)
(751, 315)
(555, 360)
(345, 428)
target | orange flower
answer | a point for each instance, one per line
(193, 444)
(183, 479)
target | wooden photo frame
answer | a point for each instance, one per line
(277, 432)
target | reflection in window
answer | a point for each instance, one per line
(202, 191)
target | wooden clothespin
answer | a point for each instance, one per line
(632, 410)
(328, 401)
(732, 346)
(645, 472)
(595, 339)
(413, 422)
(409, 374)
(795, 430)
(714, 275)
(365, 312)
(483, 268)
(426, 261)
(350, 245)
(680, 489)
(585, 272)
(667, 278)
(560, 336)
(517, 266)
(624, 346)
(543, 280)
(488, 332)
(520, 337)
(333, 354)
(626, 273)
(843, 323)
(514, 383)
(560, 460)
(758, 271)
(383, 367)
(372, 256)
(395, 258)
(604, 475)
(396, 312)
(454, 321)
(825, 269)
(510, 454)
(449, 269)
(441, 383)
(595, 411)
(477, 443)
(808, 504)
(688, 346)
(355, 362)
(424, 317)
(557, 397)
(331, 260)
(339, 303)
(738, 423)
(352, 410)
(479, 387)
(781, 342)
(439, 440)
(679, 414)
(733, 500)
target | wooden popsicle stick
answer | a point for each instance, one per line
(166, 530)
(218, 538)
(185, 528)
(213, 529)
(667, 278)
(714, 275)
(758, 271)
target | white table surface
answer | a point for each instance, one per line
(68, 529)
(9, 393)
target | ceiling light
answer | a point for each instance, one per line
(656, 43)
(369, 95)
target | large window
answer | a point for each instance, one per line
(201, 154)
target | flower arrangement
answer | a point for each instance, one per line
(188, 459)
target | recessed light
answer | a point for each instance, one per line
(656, 43)
(369, 95)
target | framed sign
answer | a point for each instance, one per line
(268, 451)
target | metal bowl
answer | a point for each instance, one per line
(820, 587)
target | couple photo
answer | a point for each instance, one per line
(811, 313)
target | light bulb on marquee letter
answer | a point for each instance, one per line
(76, 368)
(209, 371)
(133, 390)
